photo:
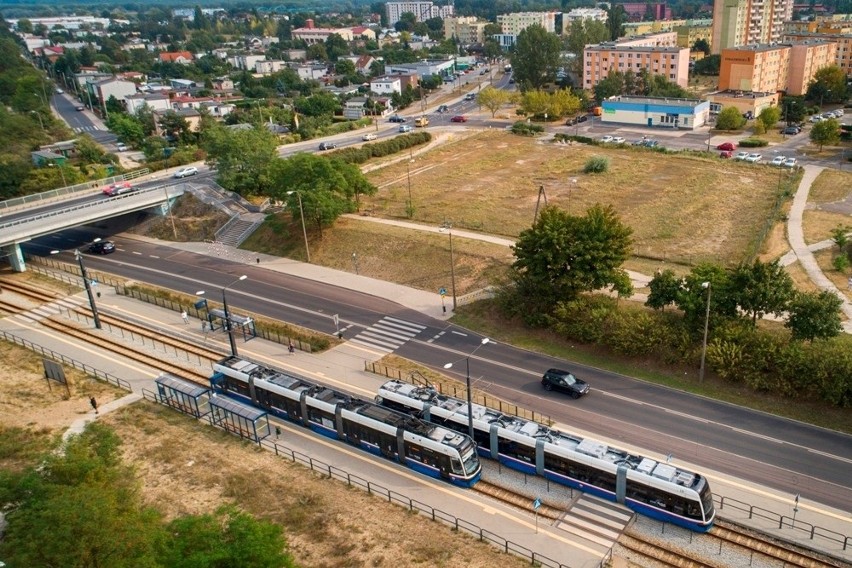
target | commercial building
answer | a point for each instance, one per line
(683, 114)
(748, 22)
(787, 67)
(656, 53)
(422, 11)
(742, 101)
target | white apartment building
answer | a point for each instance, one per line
(422, 11)
(515, 23)
(466, 29)
(583, 14)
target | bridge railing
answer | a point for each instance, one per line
(56, 194)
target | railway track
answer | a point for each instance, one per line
(724, 542)
(516, 499)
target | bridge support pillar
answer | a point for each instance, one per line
(16, 257)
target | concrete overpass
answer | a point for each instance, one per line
(75, 209)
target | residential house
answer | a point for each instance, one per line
(154, 101)
(217, 109)
(182, 57)
(118, 88)
(246, 62)
(386, 85)
(192, 117)
(269, 67)
(223, 84)
(308, 72)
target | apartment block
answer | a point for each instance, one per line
(693, 31)
(422, 11)
(785, 67)
(843, 54)
(670, 62)
(516, 22)
(748, 22)
(467, 30)
(583, 14)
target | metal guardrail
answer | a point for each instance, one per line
(59, 357)
(393, 497)
(82, 207)
(71, 189)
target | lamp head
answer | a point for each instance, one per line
(200, 293)
(243, 277)
(705, 284)
(485, 340)
(448, 366)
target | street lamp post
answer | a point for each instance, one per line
(449, 228)
(88, 285)
(706, 328)
(484, 341)
(821, 96)
(304, 230)
(40, 121)
(228, 326)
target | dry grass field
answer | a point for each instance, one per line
(682, 208)
(829, 205)
(181, 471)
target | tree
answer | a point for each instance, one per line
(701, 45)
(327, 187)
(242, 158)
(580, 34)
(825, 132)
(828, 86)
(814, 315)
(344, 67)
(692, 298)
(793, 109)
(840, 236)
(615, 18)
(769, 117)
(536, 58)
(730, 119)
(762, 288)
(492, 99)
(128, 129)
(317, 51)
(563, 255)
(664, 289)
(406, 22)
(709, 65)
(336, 47)
(174, 125)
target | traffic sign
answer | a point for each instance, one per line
(442, 291)
(536, 503)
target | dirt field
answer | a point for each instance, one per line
(185, 467)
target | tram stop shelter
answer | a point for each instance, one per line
(180, 394)
(245, 421)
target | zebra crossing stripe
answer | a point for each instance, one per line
(388, 334)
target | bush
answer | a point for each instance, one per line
(522, 128)
(841, 263)
(596, 165)
(560, 137)
(379, 149)
(753, 143)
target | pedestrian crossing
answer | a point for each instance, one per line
(388, 334)
(597, 521)
(92, 128)
(49, 310)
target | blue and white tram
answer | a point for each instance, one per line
(424, 447)
(655, 489)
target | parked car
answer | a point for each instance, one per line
(60, 92)
(185, 172)
(741, 156)
(118, 188)
(606, 139)
(459, 118)
(396, 118)
(726, 154)
(484, 72)
(791, 130)
(470, 96)
(121, 147)
(564, 381)
(651, 143)
(618, 140)
(327, 146)
(369, 136)
(571, 121)
(442, 109)
(102, 247)
(582, 118)
(421, 121)
(838, 112)
(817, 118)
(778, 160)
(790, 163)
(754, 158)
(829, 114)
(79, 107)
(404, 128)
(727, 146)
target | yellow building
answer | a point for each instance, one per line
(466, 30)
(748, 22)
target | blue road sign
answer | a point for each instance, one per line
(536, 503)
(442, 291)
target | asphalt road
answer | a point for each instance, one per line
(778, 453)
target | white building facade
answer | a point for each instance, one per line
(422, 11)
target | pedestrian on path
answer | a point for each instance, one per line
(291, 348)
(94, 404)
(185, 317)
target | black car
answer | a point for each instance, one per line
(102, 247)
(791, 130)
(396, 118)
(327, 146)
(564, 381)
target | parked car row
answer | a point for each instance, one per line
(612, 139)
(576, 120)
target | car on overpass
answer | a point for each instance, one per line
(118, 188)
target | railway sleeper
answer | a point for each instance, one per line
(669, 557)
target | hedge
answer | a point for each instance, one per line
(753, 143)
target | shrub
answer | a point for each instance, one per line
(753, 143)
(596, 165)
(841, 263)
(522, 128)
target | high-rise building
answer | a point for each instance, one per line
(788, 67)
(422, 10)
(748, 22)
